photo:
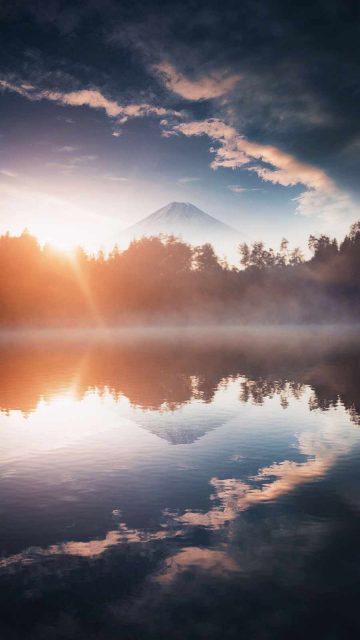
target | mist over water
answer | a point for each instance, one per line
(192, 483)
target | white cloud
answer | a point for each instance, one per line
(116, 178)
(335, 208)
(213, 85)
(187, 179)
(236, 189)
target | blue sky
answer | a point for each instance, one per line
(109, 110)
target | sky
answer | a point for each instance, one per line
(111, 109)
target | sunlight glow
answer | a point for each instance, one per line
(52, 219)
(64, 232)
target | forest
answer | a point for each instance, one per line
(162, 280)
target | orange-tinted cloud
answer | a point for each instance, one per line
(322, 196)
(214, 560)
(206, 87)
(90, 98)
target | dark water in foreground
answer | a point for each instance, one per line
(165, 486)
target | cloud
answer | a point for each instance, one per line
(323, 201)
(86, 97)
(92, 98)
(65, 167)
(218, 562)
(236, 189)
(91, 548)
(66, 149)
(213, 128)
(335, 208)
(206, 87)
(235, 151)
(73, 163)
(90, 157)
(232, 495)
(21, 89)
(96, 100)
(8, 174)
(188, 179)
(282, 94)
(116, 178)
(276, 166)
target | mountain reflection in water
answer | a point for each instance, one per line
(192, 484)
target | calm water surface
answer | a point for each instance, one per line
(184, 485)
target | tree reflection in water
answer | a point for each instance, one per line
(163, 372)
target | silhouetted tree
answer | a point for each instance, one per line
(158, 278)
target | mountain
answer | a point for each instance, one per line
(185, 221)
(183, 425)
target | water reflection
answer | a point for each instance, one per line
(162, 373)
(109, 530)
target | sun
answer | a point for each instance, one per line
(58, 236)
(54, 220)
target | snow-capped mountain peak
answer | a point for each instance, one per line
(184, 220)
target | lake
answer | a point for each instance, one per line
(198, 483)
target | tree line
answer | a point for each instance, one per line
(164, 280)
